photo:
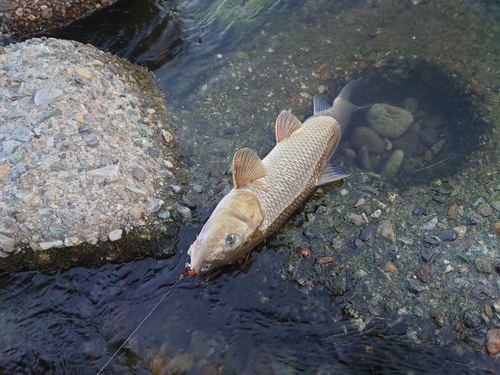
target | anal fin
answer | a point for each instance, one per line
(331, 173)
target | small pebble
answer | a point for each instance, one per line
(493, 341)
(175, 188)
(484, 209)
(451, 211)
(419, 212)
(487, 310)
(367, 233)
(427, 254)
(416, 286)
(164, 214)
(439, 198)
(184, 211)
(390, 267)
(483, 265)
(387, 230)
(139, 174)
(324, 260)
(198, 188)
(448, 235)
(430, 224)
(471, 319)
(136, 213)
(115, 235)
(496, 306)
(359, 202)
(422, 275)
(155, 205)
(448, 269)
(496, 226)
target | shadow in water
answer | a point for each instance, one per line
(447, 125)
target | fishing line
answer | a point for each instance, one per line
(187, 271)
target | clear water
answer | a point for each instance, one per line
(240, 319)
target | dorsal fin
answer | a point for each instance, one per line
(286, 124)
(320, 104)
(247, 167)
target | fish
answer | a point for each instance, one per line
(267, 191)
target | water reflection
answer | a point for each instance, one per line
(148, 32)
(173, 38)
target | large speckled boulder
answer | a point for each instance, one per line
(389, 121)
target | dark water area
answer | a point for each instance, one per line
(232, 322)
(172, 37)
(244, 318)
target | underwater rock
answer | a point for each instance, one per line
(407, 143)
(364, 158)
(428, 136)
(438, 146)
(363, 135)
(411, 105)
(391, 167)
(389, 121)
(349, 154)
(433, 121)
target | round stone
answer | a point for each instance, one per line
(115, 235)
(363, 135)
(389, 121)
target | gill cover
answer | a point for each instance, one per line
(230, 233)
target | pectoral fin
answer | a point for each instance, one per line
(331, 173)
(247, 167)
(286, 124)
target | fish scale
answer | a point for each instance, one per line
(294, 167)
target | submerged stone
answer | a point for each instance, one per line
(389, 121)
(363, 135)
(391, 167)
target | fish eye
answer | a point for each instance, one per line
(206, 267)
(232, 239)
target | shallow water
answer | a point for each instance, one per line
(242, 319)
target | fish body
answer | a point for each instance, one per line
(266, 192)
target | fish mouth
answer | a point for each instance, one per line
(194, 253)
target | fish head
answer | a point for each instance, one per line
(231, 231)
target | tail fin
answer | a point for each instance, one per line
(342, 108)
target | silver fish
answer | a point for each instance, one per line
(267, 191)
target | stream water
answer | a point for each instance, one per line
(236, 320)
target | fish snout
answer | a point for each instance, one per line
(194, 253)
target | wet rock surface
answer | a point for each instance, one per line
(77, 131)
(19, 18)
